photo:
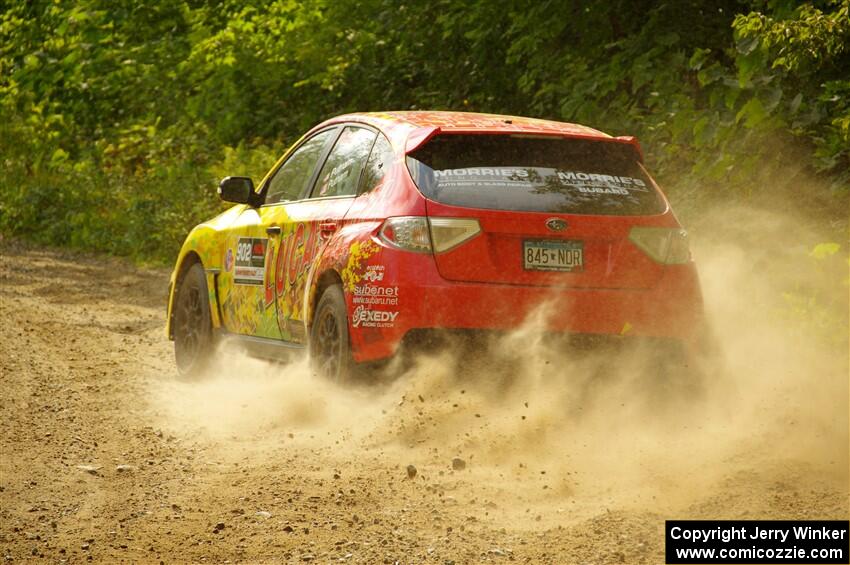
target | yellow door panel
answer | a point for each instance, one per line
(246, 275)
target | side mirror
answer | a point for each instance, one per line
(236, 189)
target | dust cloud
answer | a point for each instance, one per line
(581, 430)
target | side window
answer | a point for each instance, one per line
(290, 180)
(378, 164)
(341, 172)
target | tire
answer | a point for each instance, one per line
(194, 343)
(330, 346)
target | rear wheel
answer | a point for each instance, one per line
(330, 348)
(193, 337)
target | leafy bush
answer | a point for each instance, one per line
(116, 119)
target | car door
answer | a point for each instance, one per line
(311, 221)
(247, 285)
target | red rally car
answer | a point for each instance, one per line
(376, 227)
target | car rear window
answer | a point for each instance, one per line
(534, 174)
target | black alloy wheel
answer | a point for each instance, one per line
(330, 349)
(193, 337)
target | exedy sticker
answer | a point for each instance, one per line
(250, 265)
(372, 318)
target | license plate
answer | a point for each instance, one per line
(553, 255)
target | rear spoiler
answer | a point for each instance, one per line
(633, 141)
(421, 136)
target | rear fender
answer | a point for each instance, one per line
(342, 255)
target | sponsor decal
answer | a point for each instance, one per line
(592, 183)
(374, 273)
(486, 177)
(370, 294)
(250, 265)
(228, 260)
(483, 172)
(337, 175)
(287, 268)
(507, 177)
(571, 176)
(364, 317)
(372, 290)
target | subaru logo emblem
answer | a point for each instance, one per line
(556, 224)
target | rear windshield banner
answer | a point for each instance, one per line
(553, 175)
(581, 181)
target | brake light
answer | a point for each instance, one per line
(407, 232)
(421, 235)
(665, 245)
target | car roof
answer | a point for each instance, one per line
(412, 128)
(456, 122)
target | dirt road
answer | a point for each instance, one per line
(107, 456)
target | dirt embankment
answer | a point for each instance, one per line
(108, 456)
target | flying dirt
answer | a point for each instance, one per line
(526, 452)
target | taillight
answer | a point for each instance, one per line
(447, 233)
(407, 232)
(420, 234)
(665, 245)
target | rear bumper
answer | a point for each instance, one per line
(425, 301)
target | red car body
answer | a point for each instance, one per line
(267, 263)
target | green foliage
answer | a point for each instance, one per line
(117, 118)
(813, 306)
(799, 66)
